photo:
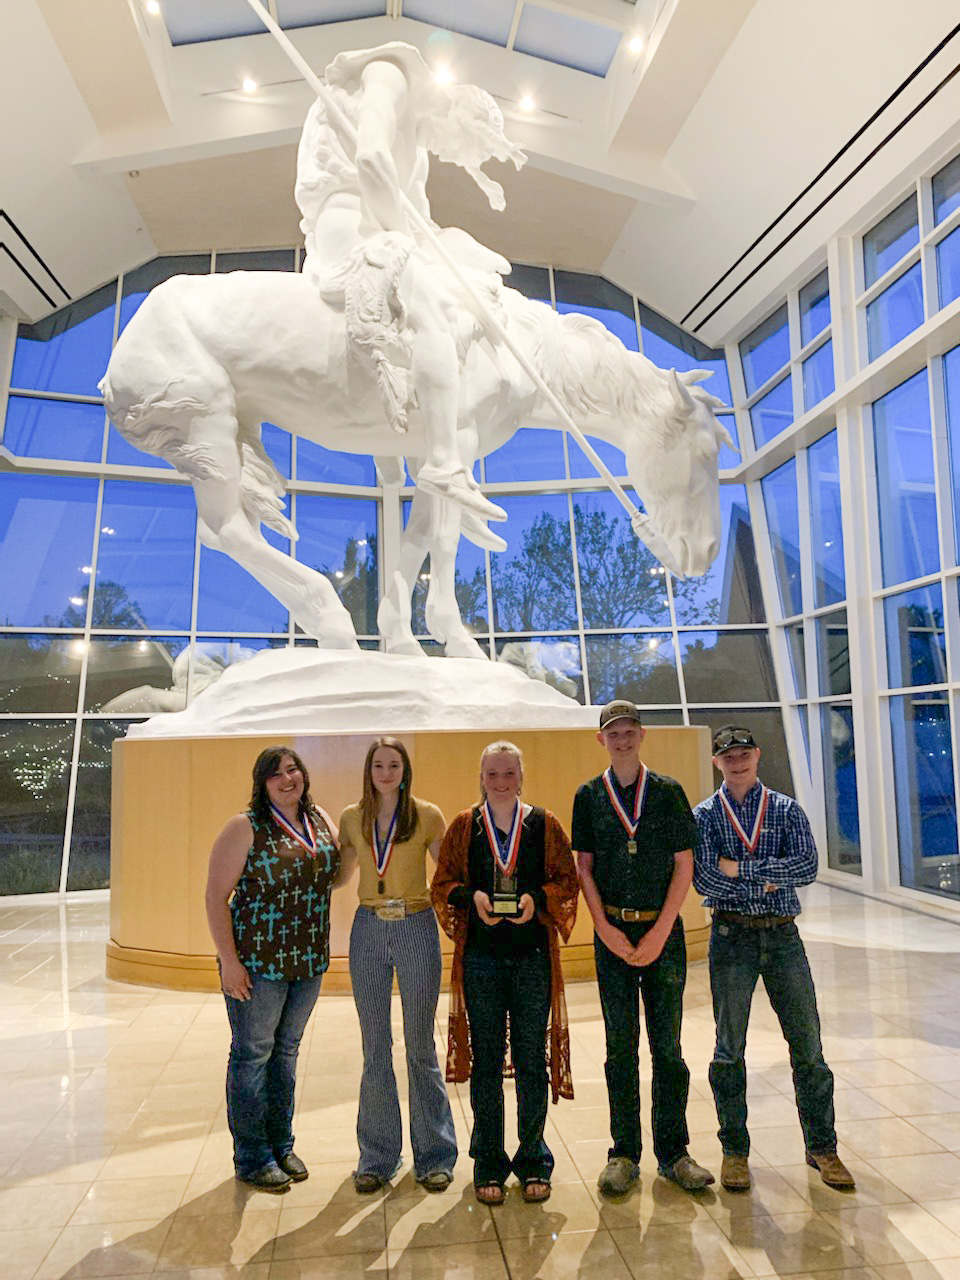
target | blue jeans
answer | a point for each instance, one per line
(738, 957)
(411, 949)
(262, 1069)
(660, 986)
(495, 986)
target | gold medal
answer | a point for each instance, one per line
(629, 826)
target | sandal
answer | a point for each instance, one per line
(535, 1190)
(489, 1193)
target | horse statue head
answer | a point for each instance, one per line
(664, 423)
(680, 494)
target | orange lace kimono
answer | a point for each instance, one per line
(561, 890)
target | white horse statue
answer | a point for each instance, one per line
(206, 360)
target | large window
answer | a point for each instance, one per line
(787, 361)
(906, 497)
(925, 794)
(829, 584)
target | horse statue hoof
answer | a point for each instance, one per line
(338, 640)
(404, 648)
(465, 647)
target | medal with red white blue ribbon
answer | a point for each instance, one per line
(629, 824)
(504, 854)
(382, 850)
(307, 838)
(750, 841)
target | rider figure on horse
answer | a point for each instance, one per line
(408, 322)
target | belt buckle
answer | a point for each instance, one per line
(392, 909)
(629, 915)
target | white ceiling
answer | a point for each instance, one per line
(658, 172)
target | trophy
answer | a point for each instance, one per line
(504, 894)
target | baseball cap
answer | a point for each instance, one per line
(731, 736)
(621, 709)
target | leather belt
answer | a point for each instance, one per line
(752, 922)
(630, 915)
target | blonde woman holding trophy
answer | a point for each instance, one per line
(504, 891)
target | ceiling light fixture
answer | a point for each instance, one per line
(527, 103)
(636, 44)
(442, 74)
(249, 85)
(153, 7)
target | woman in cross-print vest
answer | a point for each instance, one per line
(505, 890)
(272, 869)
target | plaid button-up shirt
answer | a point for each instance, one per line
(785, 856)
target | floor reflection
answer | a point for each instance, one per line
(115, 1159)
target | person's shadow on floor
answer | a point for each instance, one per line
(208, 1230)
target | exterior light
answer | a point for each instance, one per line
(77, 600)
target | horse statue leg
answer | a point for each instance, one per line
(444, 620)
(233, 489)
(433, 526)
(393, 616)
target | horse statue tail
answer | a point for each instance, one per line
(262, 488)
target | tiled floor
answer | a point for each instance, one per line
(115, 1160)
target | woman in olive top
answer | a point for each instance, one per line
(268, 906)
(395, 931)
(506, 885)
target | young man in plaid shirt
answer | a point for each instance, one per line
(754, 847)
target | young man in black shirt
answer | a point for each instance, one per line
(634, 835)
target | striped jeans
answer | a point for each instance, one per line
(411, 948)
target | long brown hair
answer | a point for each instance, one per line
(265, 766)
(406, 805)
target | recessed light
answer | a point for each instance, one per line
(527, 103)
(636, 44)
(442, 74)
(249, 85)
(153, 6)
